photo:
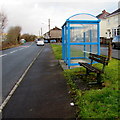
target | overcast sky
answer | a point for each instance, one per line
(31, 15)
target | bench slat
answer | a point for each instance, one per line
(98, 58)
(90, 67)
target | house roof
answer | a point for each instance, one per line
(115, 12)
(102, 15)
(105, 14)
(55, 28)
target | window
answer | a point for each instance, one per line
(118, 31)
(115, 32)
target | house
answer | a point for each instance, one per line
(102, 16)
(113, 24)
(109, 25)
(54, 34)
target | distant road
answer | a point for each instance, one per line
(115, 52)
(14, 63)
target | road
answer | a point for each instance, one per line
(115, 52)
(14, 62)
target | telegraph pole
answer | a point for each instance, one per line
(41, 31)
(49, 27)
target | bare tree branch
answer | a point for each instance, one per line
(3, 21)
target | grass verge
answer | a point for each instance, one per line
(94, 103)
(57, 49)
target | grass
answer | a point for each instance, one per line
(57, 49)
(77, 52)
(98, 104)
(95, 103)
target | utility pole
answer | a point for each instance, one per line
(41, 31)
(49, 27)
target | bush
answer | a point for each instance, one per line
(13, 35)
(7, 44)
(28, 37)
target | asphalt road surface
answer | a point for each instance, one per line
(115, 52)
(14, 63)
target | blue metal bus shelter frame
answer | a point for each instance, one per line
(66, 37)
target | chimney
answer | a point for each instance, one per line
(103, 11)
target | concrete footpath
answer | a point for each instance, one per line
(42, 93)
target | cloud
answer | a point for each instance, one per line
(31, 15)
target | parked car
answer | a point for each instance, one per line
(53, 41)
(22, 41)
(46, 41)
(116, 42)
(40, 42)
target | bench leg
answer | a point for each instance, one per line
(98, 78)
(87, 71)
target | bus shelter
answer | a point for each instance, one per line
(80, 36)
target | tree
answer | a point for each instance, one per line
(13, 35)
(3, 22)
(32, 37)
(28, 37)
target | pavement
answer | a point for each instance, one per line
(43, 92)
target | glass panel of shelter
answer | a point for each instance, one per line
(85, 34)
(78, 31)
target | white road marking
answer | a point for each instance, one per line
(17, 84)
(3, 55)
(13, 51)
(23, 47)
